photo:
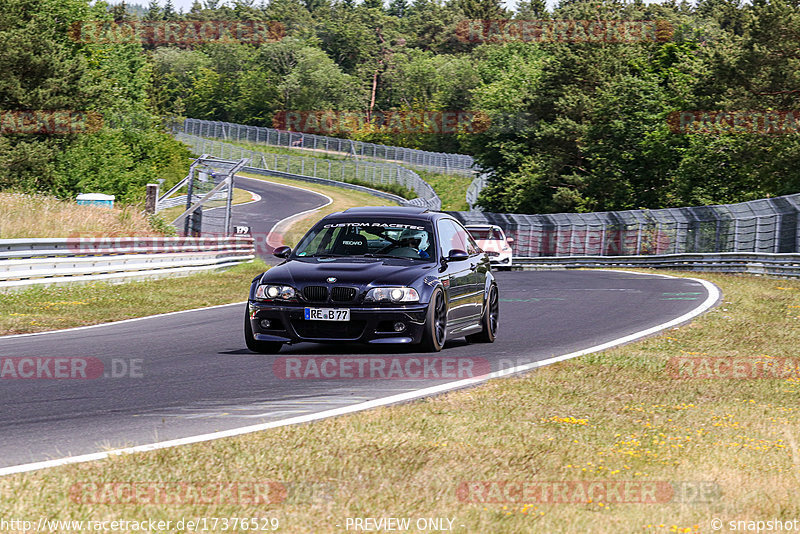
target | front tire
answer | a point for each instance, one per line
(262, 347)
(489, 321)
(435, 332)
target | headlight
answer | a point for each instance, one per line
(274, 292)
(392, 294)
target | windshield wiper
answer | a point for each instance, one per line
(376, 255)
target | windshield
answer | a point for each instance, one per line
(368, 239)
(486, 233)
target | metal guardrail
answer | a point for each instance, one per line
(439, 162)
(474, 190)
(335, 171)
(53, 261)
(783, 265)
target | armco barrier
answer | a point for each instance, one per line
(783, 265)
(53, 261)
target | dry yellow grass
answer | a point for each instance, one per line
(29, 216)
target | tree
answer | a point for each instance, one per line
(482, 9)
(307, 78)
(169, 11)
(153, 11)
(531, 10)
(119, 12)
(48, 66)
(398, 8)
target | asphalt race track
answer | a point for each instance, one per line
(277, 203)
(193, 375)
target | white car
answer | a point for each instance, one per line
(494, 242)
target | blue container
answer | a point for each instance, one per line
(96, 199)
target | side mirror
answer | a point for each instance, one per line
(282, 252)
(457, 255)
(509, 240)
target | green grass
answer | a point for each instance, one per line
(39, 309)
(451, 188)
(616, 416)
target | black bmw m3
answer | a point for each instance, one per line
(376, 275)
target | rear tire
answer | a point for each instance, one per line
(489, 321)
(435, 333)
(262, 347)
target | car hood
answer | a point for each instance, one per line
(348, 271)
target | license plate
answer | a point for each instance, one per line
(327, 314)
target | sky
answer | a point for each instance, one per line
(185, 5)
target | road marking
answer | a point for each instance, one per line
(714, 296)
(254, 197)
(112, 323)
(532, 299)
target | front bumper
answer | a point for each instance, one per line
(366, 325)
(501, 260)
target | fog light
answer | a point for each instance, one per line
(399, 326)
(266, 323)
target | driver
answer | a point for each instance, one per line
(417, 240)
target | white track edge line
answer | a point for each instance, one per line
(713, 297)
(254, 197)
(290, 217)
(113, 323)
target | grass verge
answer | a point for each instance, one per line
(39, 309)
(451, 188)
(617, 416)
(26, 216)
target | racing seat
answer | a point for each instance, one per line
(352, 245)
